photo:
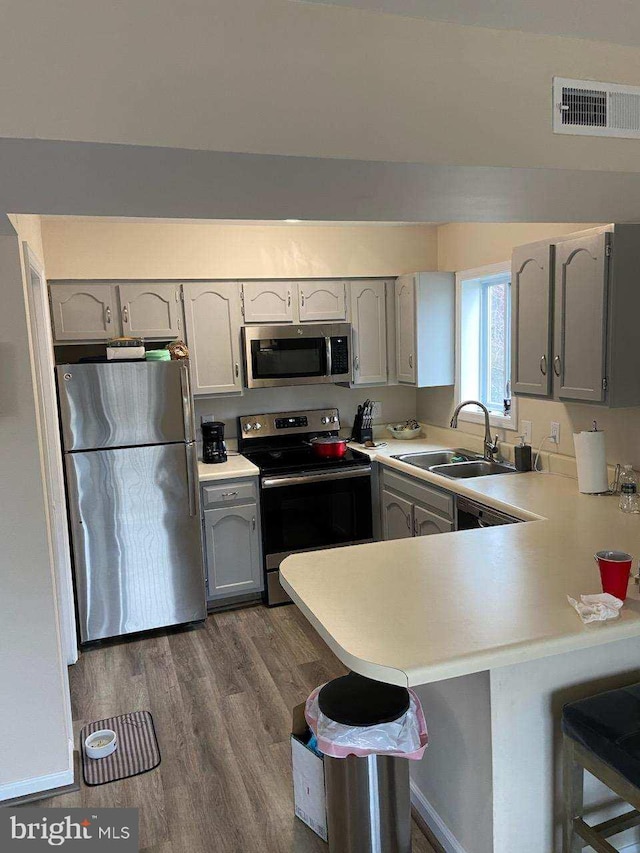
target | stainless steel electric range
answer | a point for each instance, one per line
(306, 503)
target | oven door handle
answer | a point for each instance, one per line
(301, 479)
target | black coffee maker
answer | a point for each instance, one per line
(213, 447)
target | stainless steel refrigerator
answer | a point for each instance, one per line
(132, 489)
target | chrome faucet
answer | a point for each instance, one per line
(490, 445)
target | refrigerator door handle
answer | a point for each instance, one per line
(187, 405)
(192, 478)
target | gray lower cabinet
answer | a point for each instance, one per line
(397, 516)
(409, 507)
(426, 522)
(232, 546)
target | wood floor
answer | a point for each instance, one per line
(221, 697)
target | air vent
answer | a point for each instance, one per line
(587, 108)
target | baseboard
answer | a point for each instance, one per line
(441, 832)
(50, 782)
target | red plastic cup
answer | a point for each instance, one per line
(615, 568)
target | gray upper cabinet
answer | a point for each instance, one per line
(268, 301)
(369, 332)
(397, 516)
(232, 544)
(321, 300)
(212, 320)
(84, 311)
(590, 319)
(579, 361)
(406, 329)
(150, 310)
(424, 327)
(531, 319)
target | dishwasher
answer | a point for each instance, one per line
(470, 515)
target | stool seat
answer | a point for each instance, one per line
(609, 726)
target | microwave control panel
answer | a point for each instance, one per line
(339, 356)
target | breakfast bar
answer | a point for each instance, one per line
(478, 623)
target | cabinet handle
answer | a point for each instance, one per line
(409, 521)
(288, 299)
(253, 523)
(228, 494)
(543, 365)
(411, 361)
(557, 365)
(302, 298)
(237, 370)
(125, 314)
(107, 311)
(356, 363)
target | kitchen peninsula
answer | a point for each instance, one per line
(478, 622)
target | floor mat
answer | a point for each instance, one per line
(137, 752)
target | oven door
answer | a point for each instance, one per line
(307, 512)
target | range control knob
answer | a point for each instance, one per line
(257, 425)
(247, 427)
(334, 419)
(324, 419)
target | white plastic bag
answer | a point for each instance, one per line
(406, 736)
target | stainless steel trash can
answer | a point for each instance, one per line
(368, 804)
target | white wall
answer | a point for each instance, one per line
(34, 702)
(271, 76)
(398, 403)
(112, 249)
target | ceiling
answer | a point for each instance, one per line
(615, 21)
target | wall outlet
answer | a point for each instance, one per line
(526, 429)
(377, 410)
(555, 432)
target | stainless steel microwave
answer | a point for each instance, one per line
(296, 355)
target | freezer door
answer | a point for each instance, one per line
(120, 404)
(136, 538)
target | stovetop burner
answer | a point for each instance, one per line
(279, 441)
(293, 459)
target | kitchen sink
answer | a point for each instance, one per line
(429, 458)
(477, 468)
(457, 464)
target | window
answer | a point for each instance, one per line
(484, 343)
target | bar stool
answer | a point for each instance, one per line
(601, 734)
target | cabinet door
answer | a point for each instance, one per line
(321, 300)
(84, 312)
(579, 362)
(233, 551)
(397, 516)
(406, 329)
(212, 321)
(150, 310)
(267, 301)
(369, 330)
(531, 304)
(425, 523)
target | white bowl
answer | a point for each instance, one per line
(101, 743)
(405, 434)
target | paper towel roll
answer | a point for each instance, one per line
(591, 461)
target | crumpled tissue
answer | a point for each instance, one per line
(596, 608)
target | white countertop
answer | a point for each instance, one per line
(236, 466)
(417, 610)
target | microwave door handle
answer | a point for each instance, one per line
(327, 343)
